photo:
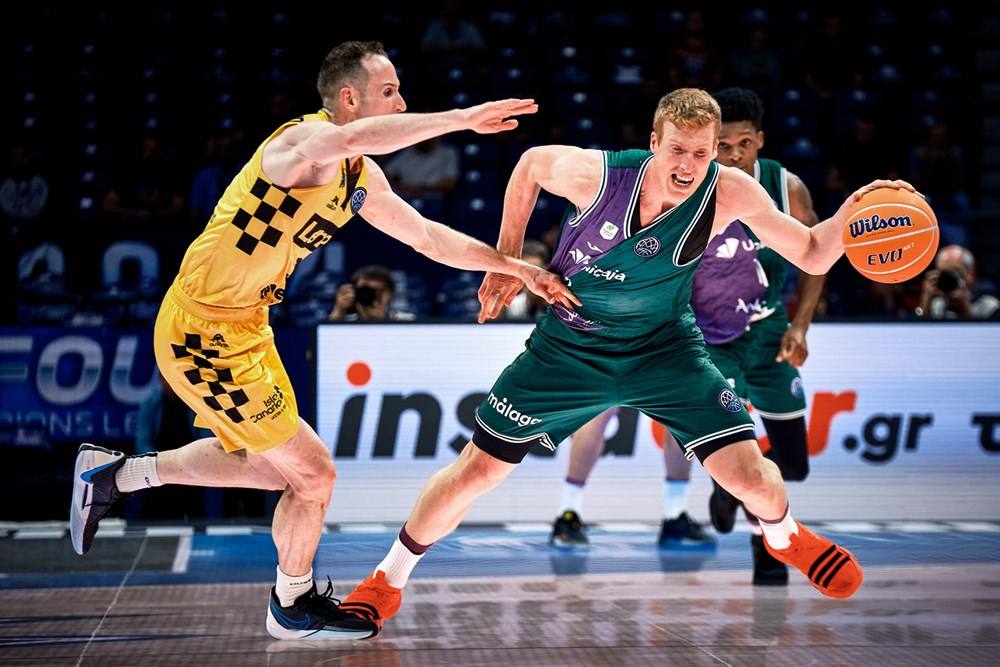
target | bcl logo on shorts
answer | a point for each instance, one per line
(796, 388)
(609, 230)
(730, 401)
(358, 199)
(647, 247)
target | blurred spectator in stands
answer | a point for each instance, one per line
(833, 193)
(223, 163)
(861, 157)
(24, 189)
(450, 33)
(146, 186)
(693, 63)
(755, 65)
(526, 306)
(949, 291)
(831, 57)
(428, 168)
(367, 297)
(937, 168)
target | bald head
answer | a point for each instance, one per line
(956, 258)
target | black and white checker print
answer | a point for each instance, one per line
(256, 225)
(221, 399)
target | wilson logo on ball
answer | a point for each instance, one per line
(875, 223)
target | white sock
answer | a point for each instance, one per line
(675, 498)
(398, 564)
(777, 534)
(288, 589)
(138, 472)
(572, 498)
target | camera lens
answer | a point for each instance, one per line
(948, 281)
(365, 295)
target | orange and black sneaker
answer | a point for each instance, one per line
(831, 569)
(374, 600)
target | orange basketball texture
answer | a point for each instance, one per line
(891, 235)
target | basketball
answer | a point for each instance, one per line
(891, 235)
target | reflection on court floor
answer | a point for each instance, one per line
(503, 597)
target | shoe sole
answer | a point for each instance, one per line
(570, 546)
(278, 631)
(687, 545)
(79, 510)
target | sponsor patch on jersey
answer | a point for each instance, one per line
(358, 199)
(647, 247)
(609, 230)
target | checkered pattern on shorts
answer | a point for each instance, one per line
(256, 224)
(220, 399)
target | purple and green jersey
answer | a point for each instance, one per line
(634, 281)
(739, 280)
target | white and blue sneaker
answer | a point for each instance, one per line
(315, 616)
(94, 492)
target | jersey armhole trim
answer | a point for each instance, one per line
(575, 220)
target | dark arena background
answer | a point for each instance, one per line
(122, 129)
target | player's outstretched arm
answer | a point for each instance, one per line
(307, 147)
(387, 212)
(814, 250)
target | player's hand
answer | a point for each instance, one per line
(794, 349)
(493, 117)
(549, 286)
(496, 293)
(880, 183)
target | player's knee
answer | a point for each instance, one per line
(752, 480)
(318, 472)
(483, 473)
(327, 473)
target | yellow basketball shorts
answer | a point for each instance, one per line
(223, 363)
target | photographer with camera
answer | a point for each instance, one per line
(948, 290)
(367, 297)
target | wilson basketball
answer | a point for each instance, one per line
(891, 235)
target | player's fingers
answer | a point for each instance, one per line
(520, 109)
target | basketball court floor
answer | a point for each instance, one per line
(500, 595)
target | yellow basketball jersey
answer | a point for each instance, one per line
(260, 231)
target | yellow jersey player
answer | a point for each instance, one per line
(212, 340)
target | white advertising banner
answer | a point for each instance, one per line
(904, 423)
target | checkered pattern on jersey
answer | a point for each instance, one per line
(256, 225)
(221, 399)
